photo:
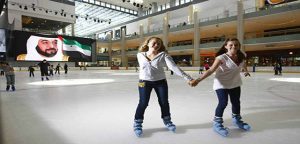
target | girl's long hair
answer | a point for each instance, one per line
(145, 47)
(241, 56)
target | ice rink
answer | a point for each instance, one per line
(97, 107)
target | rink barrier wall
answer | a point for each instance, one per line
(290, 69)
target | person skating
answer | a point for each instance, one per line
(66, 68)
(31, 71)
(57, 69)
(10, 76)
(51, 69)
(152, 59)
(44, 69)
(227, 81)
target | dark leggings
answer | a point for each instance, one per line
(234, 95)
(161, 89)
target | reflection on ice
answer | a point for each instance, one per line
(297, 80)
(71, 82)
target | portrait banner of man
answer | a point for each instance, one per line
(30, 46)
(39, 48)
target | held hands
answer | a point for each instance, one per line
(247, 74)
(193, 82)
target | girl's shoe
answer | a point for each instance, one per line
(13, 88)
(7, 88)
(219, 128)
(237, 121)
(137, 127)
(169, 124)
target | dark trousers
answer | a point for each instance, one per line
(234, 95)
(44, 72)
(161, 89)
(57, 71)
(10, 80)
(31, 74)
(51, 73)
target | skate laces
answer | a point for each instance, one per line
(238, 119)
(169, 124)
(138, 124)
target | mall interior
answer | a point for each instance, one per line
(94, 103)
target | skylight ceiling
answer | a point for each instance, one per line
(98, 16)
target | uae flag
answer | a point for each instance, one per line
(75, 49)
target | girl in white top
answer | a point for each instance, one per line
(227, 81)
(152, 59)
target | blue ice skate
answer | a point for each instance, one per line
(137, 127)
(236, 120)
(169, 124)
(219, 128)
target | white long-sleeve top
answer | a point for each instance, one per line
(154, 70)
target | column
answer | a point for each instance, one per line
(166, 29)
(15, 20)
(95, 51)
(154, 7)
(140, 12)
(240, 23)
(196, 40)
(110, 49)
(172, 3)
(64, 31)
(191, 14)
(149, 20)
(72, 30)
(123, 49)
(141, 31)
(4, 19)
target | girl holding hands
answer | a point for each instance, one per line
(227, 81)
